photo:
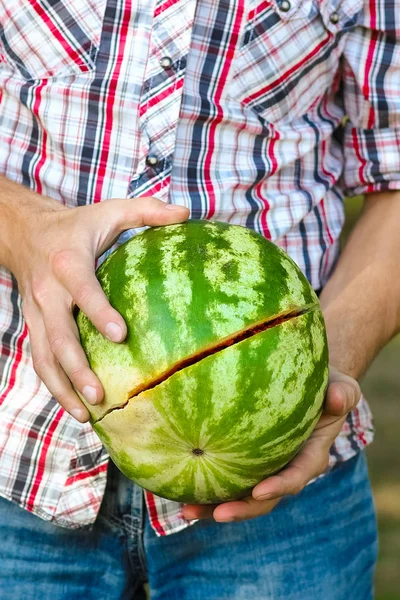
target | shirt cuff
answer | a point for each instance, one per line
(371, 160)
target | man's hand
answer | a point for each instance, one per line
(342, 396)
(52, 255)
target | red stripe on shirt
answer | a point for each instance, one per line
(43, 146)
(16, 362)
(360, 433)
(259, 9)
(158, 187)
(57, 33)
(229, 54)
(86, 474)
(287, 74)
(41, 463)
(109, 101)
(327, 174)
(151, 506)
(369, 63)
(176, 85)
(258, 189)
(372, 12)
(160, 9)
(362, 160)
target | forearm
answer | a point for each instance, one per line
(361, 301)
(8, 214)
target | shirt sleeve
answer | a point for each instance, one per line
(371, 95)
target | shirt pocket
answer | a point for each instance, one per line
(47, 38)
(290, 54)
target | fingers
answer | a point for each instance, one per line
(311, 462)
(125, 214)
(198, 511)
(343, 393)
(49, 370)
(57, 352)
(79, 279)
(64, 343)
(239, 510)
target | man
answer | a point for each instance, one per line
(236, 111)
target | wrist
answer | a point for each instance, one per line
(21, 211)
(360, 319)
(8, 233)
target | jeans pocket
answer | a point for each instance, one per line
(46, 38)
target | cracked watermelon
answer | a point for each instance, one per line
(224, 369)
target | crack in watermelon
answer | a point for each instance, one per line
(235, 338)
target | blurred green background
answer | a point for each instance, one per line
(381, 386)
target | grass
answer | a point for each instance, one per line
(381, 386)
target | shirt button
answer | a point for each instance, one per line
(285, 6)
(334, 18)
(151, 160)
(166, 62)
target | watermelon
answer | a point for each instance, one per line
(223, 372)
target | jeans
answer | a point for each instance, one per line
(318, 545)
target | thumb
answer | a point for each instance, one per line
(343, 393)
(149, 211)
(122, 214)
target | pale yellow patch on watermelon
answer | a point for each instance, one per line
(114, 366)
(318, 335)
(189, 385)
(224, 389)
(135, 288)
(294, 285)
(105, 283)
(228, 318)
(244, 253)
(178, 288)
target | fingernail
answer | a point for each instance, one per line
(347, 396)
(113, 332)
(264, 497)
(78, 414)
(174, 206)
(90, 394)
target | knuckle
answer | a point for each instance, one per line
(41, 365)
(40, 291)
(296, 488)
(57, 341)
(63, 396)
(77, 373)
(85, 295)
(61, 261)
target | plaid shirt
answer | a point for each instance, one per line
(230, 106)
